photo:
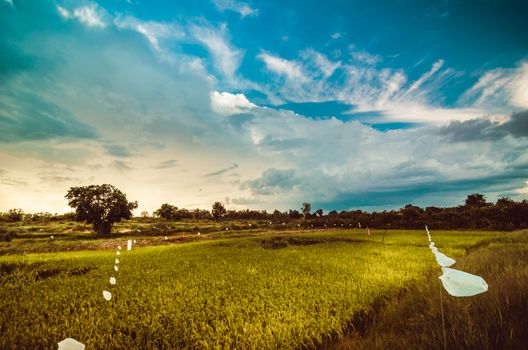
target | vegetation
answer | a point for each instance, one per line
(100, 205)
(493, 320)
(475, 213)
(218, 210)
(270, 291)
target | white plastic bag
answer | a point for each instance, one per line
(462, 284)
(107, 295)
(443, 260)
(70, 344)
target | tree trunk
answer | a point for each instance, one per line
(103, 228)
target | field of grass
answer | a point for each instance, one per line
(494, 320)
(256, 289)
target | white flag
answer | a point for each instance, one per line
(462, 284)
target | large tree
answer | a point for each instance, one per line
(100, 205)
(218, 210)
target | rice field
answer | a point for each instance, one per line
(267, 291)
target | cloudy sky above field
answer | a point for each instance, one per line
(263, 104)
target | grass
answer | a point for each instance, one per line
(253, 290)
(496, 319)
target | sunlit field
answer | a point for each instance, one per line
(250, 289)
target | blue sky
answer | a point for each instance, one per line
(345, 104)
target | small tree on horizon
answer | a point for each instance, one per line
(218, 210)
(306, 209)
(100, 205)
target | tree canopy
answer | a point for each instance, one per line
(100, 205)
(218, 210)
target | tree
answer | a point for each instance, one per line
(218, 210)
(144, 214)
(306, 209)
(100, 205)
(476, 200)
(14, 215)
(319, 212)
(166, 211)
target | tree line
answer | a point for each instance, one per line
(103, 205)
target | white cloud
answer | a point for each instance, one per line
(292, 70)
(386, 92)
(90, 15)
(426, 76)
(153, 31)
(500, 87)
(226, 103)
(321, 62)
(519, 87)
(366, 57)
(226, 58)
(240, 7)
(336, 36)
(63, 12)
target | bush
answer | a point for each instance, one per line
(5, 235)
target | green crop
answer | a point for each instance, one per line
(285, 291)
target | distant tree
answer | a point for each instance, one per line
(166, 211)
(199, 214)
(144, 214)
(15, 215)
(294, 214)
(332, 213)
(306, 209)
(218, 210)
(319, 212)
(476, 200)
(100, 205)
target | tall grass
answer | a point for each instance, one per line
(497, 319)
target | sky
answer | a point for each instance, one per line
(347, 104)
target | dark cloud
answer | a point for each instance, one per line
(117, 150)
(486, 130)
(426, 192)
(26, 116)
(272, 181)
(517, 125)
(222, 171)
(171, 163)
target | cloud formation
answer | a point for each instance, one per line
(240, 7)
(120, 102)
